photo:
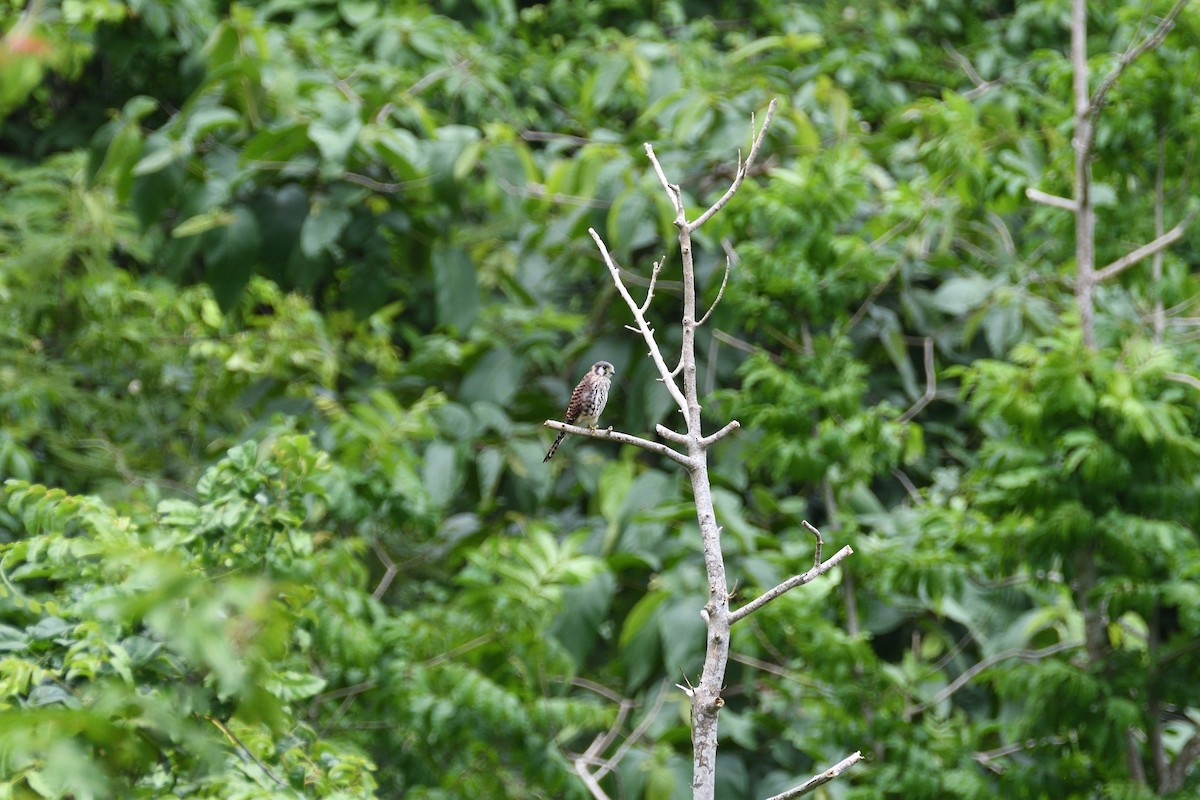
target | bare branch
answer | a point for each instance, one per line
(245, 752)
(1126, 261)
(1180, 377)
(789, 584)
(930, 385)
(589, 780)
(817, 780)
(623, 438)
(741, 344)
(1158, 317)
(965, 65)
(721, 434)
(786, 674)
(909, 486)
(1189, 754)
(434, 77)
(1038, 196)
(658, 265)
(538, 191)
(667, 433)
(673, 190)
(647, 719)
(720, 293)
(465, 647)
(600, 689)
(743, 168)
(981, 84)
(602, 741)
(345, 691)
(819, 543)
(875, 292)
(643, 326)
(1133, 756)
(985, 757)
(1129, 56)
(552, 136)
(969, 673)
(389, 574)
(380, 186)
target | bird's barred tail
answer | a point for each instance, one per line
(553, 447)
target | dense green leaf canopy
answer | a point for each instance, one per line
(287, 289)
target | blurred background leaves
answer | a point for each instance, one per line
(288, 289)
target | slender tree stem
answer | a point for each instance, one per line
(1085, 213)
(706, 695)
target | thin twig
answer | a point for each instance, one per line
(246, 752)
(589, 780)
(1128, 260)
(434, 77)
(785, 674)
(743, 168)
(819, 542)
(465, 647)
(1189, 754)
(643, 326)
(789, 584)
(817, 780)
(632, 739)
(982, 85)
(380, 186)
(667, 433)
(1154, 39)
(930, 385)
(876, 290)
(602, 742)
(1180, 377)
(389, 573)
(731, 260)
(1038, 196)
(908, 485)
(1158, 318)
(551, 136)
(539, 191)
(721, 434)
(985, 756)
(720, 294)
(741, 344)
(345, 691)
(673, 191)
(658, 265)
(969, 673)
(598, 688)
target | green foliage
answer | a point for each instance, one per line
(287, 289)
(140, 663)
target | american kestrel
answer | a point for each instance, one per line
(587, 401)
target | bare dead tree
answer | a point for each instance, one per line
(1088, 106)
(691, 452)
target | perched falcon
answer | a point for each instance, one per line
(587, 401)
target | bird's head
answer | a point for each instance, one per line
(603, 369)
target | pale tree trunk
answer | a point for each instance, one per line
(1085, 214)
